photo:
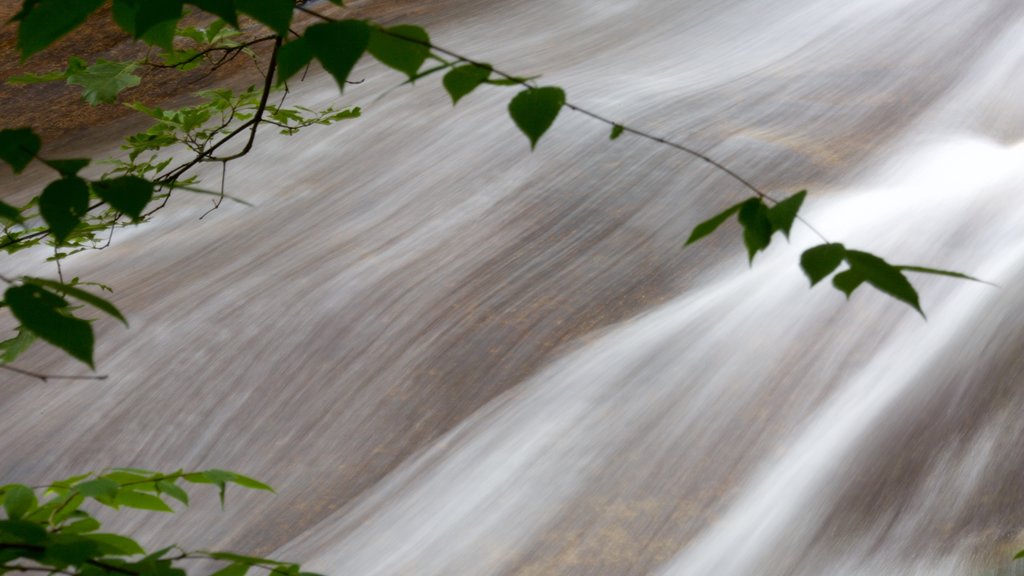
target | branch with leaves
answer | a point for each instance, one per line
(49, 528)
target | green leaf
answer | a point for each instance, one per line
(617, 130)
(42, 22)
(245, 481)
(847, 281)
(115, 544)
(1019, 555)
(949, 273)
(222, 8)
(82, 526)
(62, 205)
(128, 194)
(30, 78)
(19, 500)
(822, 260)
(142, 501)
(12, 348)
(462, 80)
(534, 110)
(291, 58)
(80, 294)
(150, 13)
(884, 276)
(18, 147)
(404, 48)
(276, 14)
(23, 531)
(10, 213)
(784, 213)
(174, 491)
(338, 46)
(69, 550)
(68, 508)
(757, 229)
(68, 168)
(711, 224)
(98, 488)
(232, 570)
(104, 80)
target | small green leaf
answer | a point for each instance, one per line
(276, 14)
(822, 260)
(534, 110)
(68, 550)
(142, 501)
(291, 58)
(1019, 555)
(80, 294)
(19, 500)
(30, 78)
(10, 213)
(104, 80)
(847, 281)
(711, 224)
(884, 276)
(68, 168)
(617, 131)
(23, 531)
(42, 22)
(757, 229)
(784, 213)
(68, 508)
(404, 48)
(462, 80)
(12, 348)
(115, 544)
(18, 147)
(127, 194)
(62, 205)
(246, 481)
(338, 46)
(99, 487)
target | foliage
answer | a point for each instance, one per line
(50, 529)
(74, 213)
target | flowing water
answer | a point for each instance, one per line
(451, 356)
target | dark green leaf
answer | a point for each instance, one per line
(12, 348)
(44, 21)
(404, 48)
(150, 13)
(949, 273)
(757, 229)
(784, 213)
(116, 545)
(123, 13)
(462, 80)
(23, 531)
(617, 131)
(10, 213)
(31, 78)
(338, 46)
(69, 550)
(884, 276)
(223, 8)
(99, 487)
(1019, 555)
(276, 14)
(104, 80)
(62, 205)
(18, 147)
(68, 167)
(80, 294)
(847, 281)
(820, 261)
(19, 500)
(711, 224)
(534, 110)
(292, 57)
(127, 194)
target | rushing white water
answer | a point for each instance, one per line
(451, 356)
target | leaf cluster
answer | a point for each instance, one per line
(50, 528)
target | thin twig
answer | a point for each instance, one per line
(47, 377)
